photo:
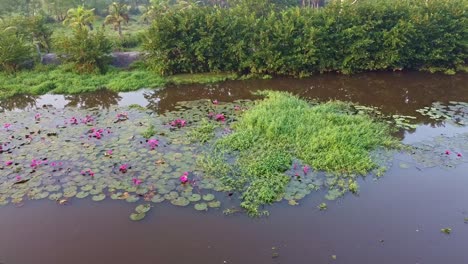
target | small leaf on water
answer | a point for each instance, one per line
(446, 230)
(142, 208)
(137, 216)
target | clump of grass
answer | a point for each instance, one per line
(149, 132)
(328, 137)
(203, 132)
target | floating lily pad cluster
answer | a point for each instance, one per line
(454, 112)
(100, 154)
(442, 151)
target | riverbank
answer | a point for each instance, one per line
(59, 80)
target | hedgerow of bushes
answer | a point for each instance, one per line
(369, 35)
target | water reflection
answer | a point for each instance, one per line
(102, 98)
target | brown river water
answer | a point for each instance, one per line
(394, 220)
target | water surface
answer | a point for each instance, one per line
(395, 219)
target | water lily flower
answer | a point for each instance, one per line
(237, 108)
(220, 117)
(87, 119)
(137, 181)
(109, 152)
(97, 135)
(35, 163)
(183, 179)
(37, 117)
(123, 168)
(178, 123)
(215, 102)
(7, 126)
(18, 178)
(73, 121)
(8, 163)
(53, 164)
(447, 152)
(153, 143)
(122, 116)
(459, 155)
(306, 169)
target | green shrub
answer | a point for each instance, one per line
(14, 50)
(87, 51)
(369, 35)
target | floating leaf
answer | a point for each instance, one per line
(99, 197)
(142, 208)
(208, 197)
(201, 207)
(137, 216)
(180, 201)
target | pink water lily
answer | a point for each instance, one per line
(220, 117)
(37, 117)
(237, 108)
(35, 163)
(137, 181)
(18, 178)
(306, 169)
(123, 168)
(87, 119)
(122, 116)
(8, 163)
(215, 102)
(153, 143)
(7, 126)
(184, 178)
(109, 152)
(178, 123)
(447, 152)
(459, 155)
(53, 164)
(73, 121)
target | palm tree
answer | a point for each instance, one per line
(118, 13)
(79, 17)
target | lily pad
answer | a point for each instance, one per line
(180, 201)
(137, 216)
(201, 207)
(194, 197)
(99, 197)
(208, 197)
(142, 208)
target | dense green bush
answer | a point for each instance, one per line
(87, 51)
(366, 36)
(14, 50)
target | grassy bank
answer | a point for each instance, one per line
(282, 130)
(61, 81)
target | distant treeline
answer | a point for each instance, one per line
(344, 36)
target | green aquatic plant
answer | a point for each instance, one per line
(203, 132)
(149, 132)
(447, 230)
(268, 136)
(322, 206)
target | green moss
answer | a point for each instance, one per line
(328, 137)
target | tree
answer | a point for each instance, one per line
(118, 13)
(79, 18)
